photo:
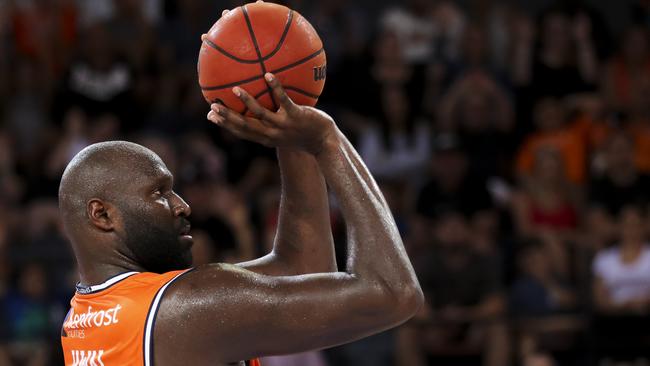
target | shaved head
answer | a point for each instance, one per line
(98, 170)
(116, 198)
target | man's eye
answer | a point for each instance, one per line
(157, 193)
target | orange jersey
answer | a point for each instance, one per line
(112, 323)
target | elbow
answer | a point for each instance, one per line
(410, 302)
(403, 302)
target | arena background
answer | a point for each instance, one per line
(511, 138)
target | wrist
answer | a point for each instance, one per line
(330, 142)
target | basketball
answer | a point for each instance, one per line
(252, 40)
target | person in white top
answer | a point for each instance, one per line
(622, 273)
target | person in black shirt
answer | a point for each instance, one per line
(621, 183)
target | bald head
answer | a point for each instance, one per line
(117, 196)
(103, 170)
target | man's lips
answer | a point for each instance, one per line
(185, 230)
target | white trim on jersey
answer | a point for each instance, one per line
(107, 283)
(151, 318)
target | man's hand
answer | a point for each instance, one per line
(292, 125)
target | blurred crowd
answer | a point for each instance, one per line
(513, 147)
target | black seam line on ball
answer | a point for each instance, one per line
(301, 61)
(254, 61)
(257, 50)
(282, 37)
(225, 53)
(278, 70)
(300, 91)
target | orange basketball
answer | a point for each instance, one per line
(254, 39)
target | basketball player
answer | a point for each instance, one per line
(137, 303)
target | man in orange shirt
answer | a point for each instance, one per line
(138, 304)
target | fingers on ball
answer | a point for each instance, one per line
(278, 91)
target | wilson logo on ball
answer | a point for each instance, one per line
(320, 72)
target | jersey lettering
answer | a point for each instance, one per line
(92, 318)
(87, 357)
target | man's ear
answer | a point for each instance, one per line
(100, 214)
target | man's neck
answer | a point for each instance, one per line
(97, 273)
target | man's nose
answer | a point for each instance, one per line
(180, 207)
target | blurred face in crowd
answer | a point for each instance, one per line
(631, 225)
(635, 46)
(451, 231)
(549, 114)
(620, 154)
(33, 281)
(387, 49)
(474, 46)
(449, 168)
(98, 47)
(475, 113)
(556, 31)
(534, 262)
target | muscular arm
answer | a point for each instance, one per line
(224, 313)
(303, 242)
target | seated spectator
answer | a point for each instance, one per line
(622, 273)
(29, 317)
(538, 290)
(627, 74)
(46, 32)
(539, 299)
(397, 144)
(621, 290)
(480, 111)
(99, 81)
(449, 182)
(551, 119)
(546, 203)
(547, 207)
(621, 183)
(565, 61)
(426, 31)
(465, 300)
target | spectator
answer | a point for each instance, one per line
(29, 315)
(414, 28)
(542, 303)
(449, 183)
(547, 202)
(465, 298)
(554, 131)
(132, 33)
(621, 290)
(622, 273)
(45, 32)
(547, 208)
(538, 291)
(565, 61)
(627, 74)
(99, 82)
(621, 183)
(26, 113)
(399, 145)
(11, 187)
(481, 113)
(5, 49)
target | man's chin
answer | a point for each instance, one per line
(186, 241)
